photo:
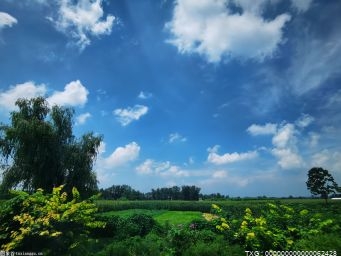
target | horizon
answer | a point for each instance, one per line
(235, 98)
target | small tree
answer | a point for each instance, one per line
(321, 182)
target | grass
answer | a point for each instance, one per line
(161, 216)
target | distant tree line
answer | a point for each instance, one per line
(190, 193)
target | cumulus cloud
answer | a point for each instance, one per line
(215, 158)
(25, 90)
(211, 29)
(127, 115)
(176, 137)
(266, 129)
(285, 140)
(83, 19)
(7, 20)
(120, 156)
(163, 169)
(81, 119)
(74, 94)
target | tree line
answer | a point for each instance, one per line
(115, 192)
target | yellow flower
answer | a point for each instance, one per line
(250, 235)
(209, 216)
(225, 225)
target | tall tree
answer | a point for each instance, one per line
(321, 182)
(39, 150)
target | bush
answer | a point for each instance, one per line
(149, 246)
(47, 223)
(277, 227)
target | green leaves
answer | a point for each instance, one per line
(276, 228)
(321, 182)
(46, 220)
(39, 150)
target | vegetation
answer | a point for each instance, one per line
(56, 225)
(39, 150)
(321, 182)
(125, 192)
(46, 222)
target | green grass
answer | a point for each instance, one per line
(161, 216)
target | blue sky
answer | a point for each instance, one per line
(234, 96)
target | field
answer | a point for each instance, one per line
(227, 227)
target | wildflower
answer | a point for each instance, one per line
(250, 236)
(225, 225)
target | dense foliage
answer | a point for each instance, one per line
(188, 193)
(47, 223)
(38, 150)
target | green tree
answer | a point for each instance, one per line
(39, 150)
(321, 182)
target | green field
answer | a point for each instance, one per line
(161, 216)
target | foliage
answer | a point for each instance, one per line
(121, 192)
(321, 182)
(121, 228)
(39, 150)
(276, 228)
(46, 222)
(151, 245)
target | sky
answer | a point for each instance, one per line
(233, 96)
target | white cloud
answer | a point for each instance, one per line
(81, 119)
(304, 121)
(163, 169)
(120, 156)
(144, 95)
(176, 137)
(287, 158)
(285, 140)
(209, 28)
(83, 19)
(74, 94)
(328, 159)
(301, 5)
(126, 115)
(266, 129)
(25, 90)
(285, 136)
(7, 20)
(215, 158)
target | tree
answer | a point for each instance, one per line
(39, 150)
(321, 182)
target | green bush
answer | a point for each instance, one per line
(218, 247)
(47, 223)
(277, 227)
(148, 246)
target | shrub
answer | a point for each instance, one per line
(133, 246)
(277, 227)
(48, 223)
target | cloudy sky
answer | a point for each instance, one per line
(234, 96)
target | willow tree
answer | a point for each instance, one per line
(38, 150)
